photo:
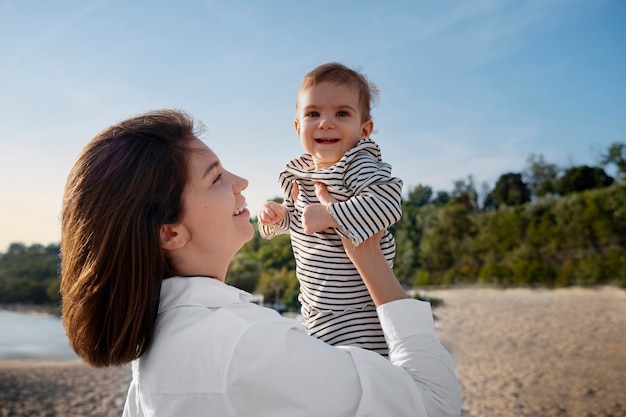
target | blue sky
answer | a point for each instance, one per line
(467, 87)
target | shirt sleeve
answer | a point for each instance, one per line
(268, 231)
(279, 370)
(376, 203)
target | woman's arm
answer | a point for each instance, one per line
(369, 260)
(278, 369)
(408, 326)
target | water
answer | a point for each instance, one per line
(33, 336)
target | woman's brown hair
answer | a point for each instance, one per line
(126, 183)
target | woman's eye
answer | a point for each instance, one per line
(217, 178)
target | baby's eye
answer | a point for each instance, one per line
(312, 114)
(343, 113)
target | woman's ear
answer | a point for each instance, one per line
(173, 236)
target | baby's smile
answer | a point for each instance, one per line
(326, 140)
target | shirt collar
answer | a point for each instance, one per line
(198, 291)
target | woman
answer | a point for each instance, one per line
(150, 223)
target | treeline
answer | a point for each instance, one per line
(30, 274)
(577, 239)
(545, 226)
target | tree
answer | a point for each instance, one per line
(28, 274)
(276, 253)
(581, 178)
(419, 196)
(244, 272)
(465, 193)
(541, 176)
(616, 154)
(16, 249)
(485, 197)
(441, 198)
(408, 232)
(443, 238)
(510, 190)
(279, 287)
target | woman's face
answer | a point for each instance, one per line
(215, 215)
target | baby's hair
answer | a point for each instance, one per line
(338, 73)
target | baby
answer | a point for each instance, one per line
(334, 123)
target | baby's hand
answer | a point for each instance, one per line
(271, 213)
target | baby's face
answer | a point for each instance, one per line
(328, 122)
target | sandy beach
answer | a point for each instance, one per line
(519, 352)
(31, 388)
(539, 353)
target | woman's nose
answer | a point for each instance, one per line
(240, 184)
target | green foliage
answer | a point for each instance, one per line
(280, 287)
(442, 197)
(434, 301)
(528, 267)
(541, 176)
(582, 178)
(422, 279)
(419, 196)
(465, 193)
(577, 239)
(493, 273)
(416, 211)
(29, 274)
(615, 263)
(244, 272)
(276, 253)
(510, 191)
(616, 154)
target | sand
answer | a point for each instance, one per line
(519, 353)
(31, 388)
(537, 353)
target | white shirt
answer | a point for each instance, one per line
(217, 354)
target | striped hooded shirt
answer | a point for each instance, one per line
(369, 200)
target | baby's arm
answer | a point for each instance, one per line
(271, 213)
(377, 200)
(273, 219)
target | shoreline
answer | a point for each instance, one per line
(32, 309)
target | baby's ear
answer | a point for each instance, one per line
(296, 125)
(366, 128)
